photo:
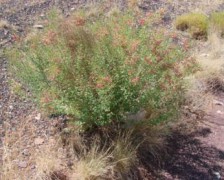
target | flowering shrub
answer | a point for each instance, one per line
(100, 70)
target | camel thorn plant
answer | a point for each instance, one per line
(100, 70)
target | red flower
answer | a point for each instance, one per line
(99, 86)
(15, 37)
(80, 22)
(107, 79)
(135, 45)
(186, 45)
(142, 22)
(148, 61)
(149, 14)
(135, 80)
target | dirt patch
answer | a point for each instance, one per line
(192, 158)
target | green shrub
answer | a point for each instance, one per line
(217, 22)
(195, 23)
(100, 70)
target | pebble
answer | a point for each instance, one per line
(52, 131)
(38, 117)
(38, 26)
(66, 130)
(217, 174)
(204, 55)
(26, 152)
(70, 163)
(33, 167)
(166, 18)
(22, 164)
(218, 103)
(219, 112)
(38, 141)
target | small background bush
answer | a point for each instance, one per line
(101, 69)
(195, 23)
(217, 22)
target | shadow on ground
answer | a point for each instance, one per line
(190, 159)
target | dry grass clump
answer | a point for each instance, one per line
(12, 147)
(49, 164)
(198, 24)
(93, 164)
(210, 57)
(152, 148)
(215, 82)
(90, 157)
(200, 93)
(209, 80)
(96, 156)
(124, 155)
(114, 154)
(22, 158)
(197, 98)
(195, 23)
(217, 22)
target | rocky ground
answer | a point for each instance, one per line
(194, 155)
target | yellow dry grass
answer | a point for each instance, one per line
(211, 56)
(202, 85)
(93, 164)
(13, 144)
(49, 162)
(50, 159)
(44, 158)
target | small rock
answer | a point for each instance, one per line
(38, 117)
(70, 163)
(52, 131)
(66, 131)
(219, 103)
(166, 18)
(194, 116)
(11, 107)
(204, 55)
(38, 26)
(16, 161)
(72, 9)
(22, 164)
(38, 141)
(42, 15)
(217, 174)
(26, 152)
(52, 141)
(33, 167)
(219, 112)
